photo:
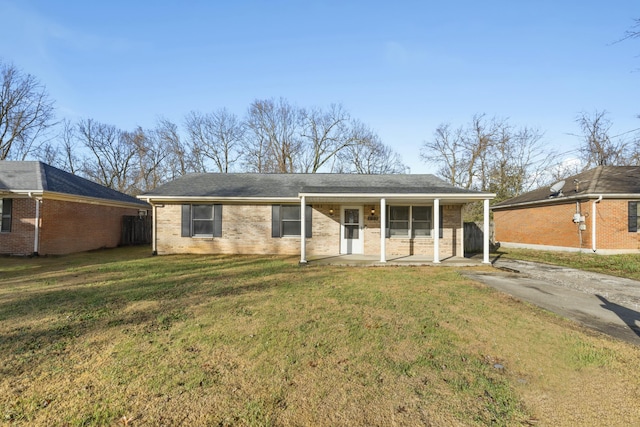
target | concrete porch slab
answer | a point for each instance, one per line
(405, 260)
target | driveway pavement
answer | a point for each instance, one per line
(605, 303)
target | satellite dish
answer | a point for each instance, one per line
(556, 189)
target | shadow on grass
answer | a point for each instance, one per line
(42, 320)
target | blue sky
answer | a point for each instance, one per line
(402, 67)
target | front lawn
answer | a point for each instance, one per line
(119, 337)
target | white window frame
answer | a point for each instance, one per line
(283, 220)
(410, 226)
(195, 220)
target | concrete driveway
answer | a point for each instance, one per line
(605, 303)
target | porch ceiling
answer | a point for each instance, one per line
(328, 199)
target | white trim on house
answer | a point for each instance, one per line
(485, 233)
(345, 247)
(396, 197)
(436, 231)
(50, 195)
(563, 199)
(241, 200)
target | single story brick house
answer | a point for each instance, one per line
(594, 211)
(47, 211)
(311, 215)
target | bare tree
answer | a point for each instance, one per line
(325, 134)
(519, 162)
(489, 155)
(462, 154)
(70, 160)
(255, 151)
(180, 159)
(216, 137)
(633, 32)
(597, 147)
(274, 143)
(112, 152)
(446, 151)
(368, 155)
(25, 112)
(151, 153)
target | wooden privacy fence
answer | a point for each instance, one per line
(474, 236)
(136, 230)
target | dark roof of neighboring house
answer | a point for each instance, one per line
(40, 177)
(603, 180)
(291, 185)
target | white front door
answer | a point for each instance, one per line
(351, 230)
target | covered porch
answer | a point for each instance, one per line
(371, 215)
(410, 260)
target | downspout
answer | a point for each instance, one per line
(593, 224)
(36, 238)
(154, 248)
(578, 222)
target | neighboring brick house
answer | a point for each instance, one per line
(338, 214)
(594, 211)
(47, 211)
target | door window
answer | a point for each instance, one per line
(351, 223)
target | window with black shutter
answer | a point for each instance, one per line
(633, 217)
(5, 215)
(202, 220)
(286, 222)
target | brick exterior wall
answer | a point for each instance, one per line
(246, 229)
(65, 227)
(552, 226)
(20, 240)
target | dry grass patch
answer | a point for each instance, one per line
(257, 341)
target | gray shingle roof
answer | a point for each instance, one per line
(290, 185)
(605, 180)
(40, 177)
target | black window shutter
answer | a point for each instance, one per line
(275, 221)
(387, 228)
(5, 220)
(633, 217)
(217, 220)
(186, 220)
(441, 222)
(308, 213)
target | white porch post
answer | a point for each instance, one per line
(486, 232)
(461, 238)
(303, 230)
(436, 231)
(383, 229)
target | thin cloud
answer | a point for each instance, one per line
(42, 34)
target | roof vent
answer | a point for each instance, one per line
(577, 183)
(556, 189)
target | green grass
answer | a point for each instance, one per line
(91, 338)
(626, 265)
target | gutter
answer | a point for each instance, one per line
(370, 196)
(559, 200)
(593, 223)
(79, 199)
(36, 238)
